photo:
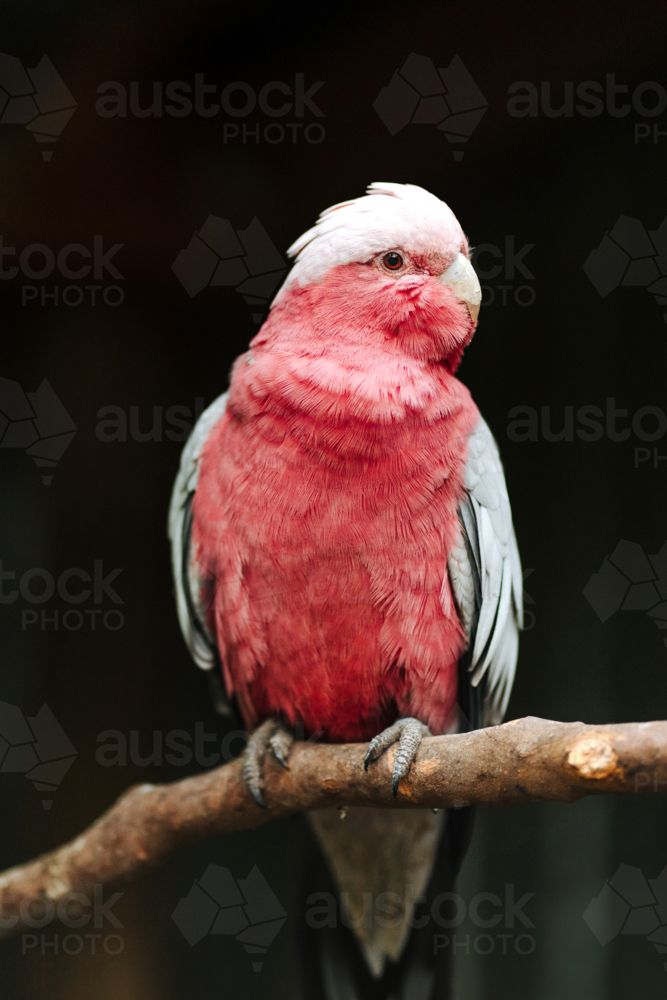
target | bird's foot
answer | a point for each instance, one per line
(271, 737)
(408, 733)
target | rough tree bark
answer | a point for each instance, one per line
(527, 760)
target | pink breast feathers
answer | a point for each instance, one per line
(325, 511)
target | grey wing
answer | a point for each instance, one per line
(485, 572)
(192, 588)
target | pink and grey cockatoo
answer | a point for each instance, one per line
(344, 553)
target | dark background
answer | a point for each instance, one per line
(148, 184)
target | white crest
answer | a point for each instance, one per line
(388, 217)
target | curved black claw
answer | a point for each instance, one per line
(280, 744)
(271, 737)
(408, 733)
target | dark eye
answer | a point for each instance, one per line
(392, 261)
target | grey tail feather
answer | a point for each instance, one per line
(332, 964)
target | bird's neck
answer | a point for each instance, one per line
(348, 409)
(349, 388)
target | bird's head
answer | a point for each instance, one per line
(392, 267)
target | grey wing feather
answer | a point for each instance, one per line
(485, 573)
(191, 585)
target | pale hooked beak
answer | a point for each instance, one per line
(461, 277)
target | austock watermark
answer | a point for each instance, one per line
(38, 423)
(36, 98)
(35, 422)
(245, 908)
(153, 424)
(35, 746)
(219, 904)
(649, 780)
(179, 748)
(591, 99)
(287, 110)
(227, 103)
(72, 586)
(74, 262)
(245, 259)
(630, 904)
(421, 94)
(630, 580)
(630, 256)
(506, 262)
(275, 112)
(71, 914)
(176, 747)
(448, 912)
(592, 422)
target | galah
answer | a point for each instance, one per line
(344, 553)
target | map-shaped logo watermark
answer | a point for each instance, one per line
(420, 94)
(36, 98)
(246, 908)
(630, 580)
(36, 422)
(35, 746)
(631, 904)
(244, 259)
(631, 256)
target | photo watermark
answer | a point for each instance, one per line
(36, 98)
(420, 94)
(631, 904)
(159, 423)
(507, 264)
(591, 423)
(75, 262)
(448, 912)
(228, 103)
(592, 99)
(245, 908)
(35, 422)
(631, 256)
(35, 746)
(244, 259)
(74, 586)
(630, 580)
(73, 912)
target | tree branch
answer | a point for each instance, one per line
(527, 760)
